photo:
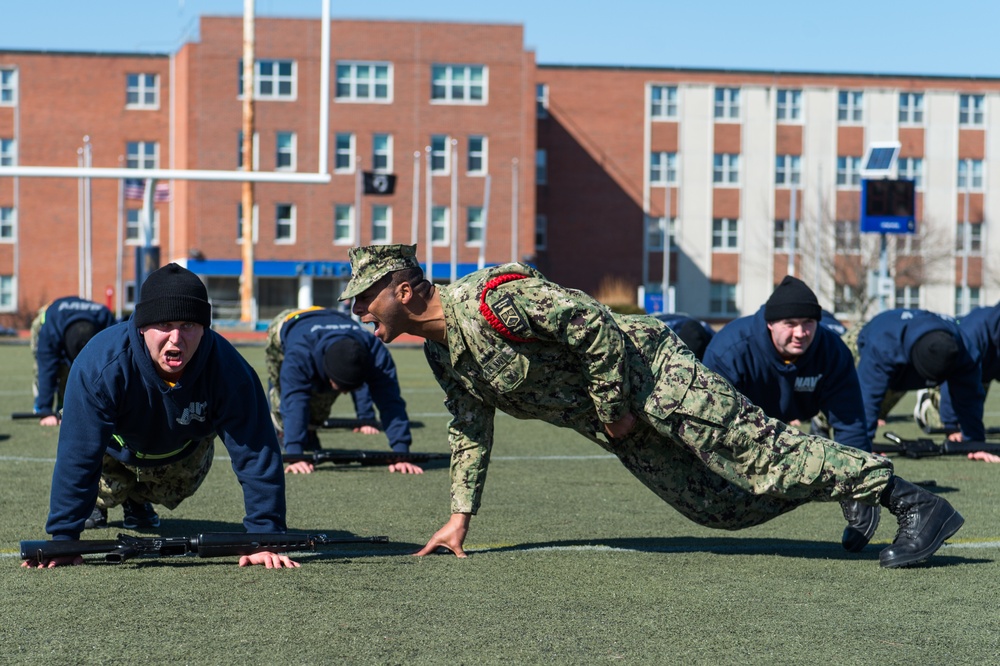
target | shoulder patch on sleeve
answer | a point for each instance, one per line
(506, 318)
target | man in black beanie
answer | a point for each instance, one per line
(313, 355)
(145, 401)
(794, 369)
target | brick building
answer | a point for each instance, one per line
(562, 166)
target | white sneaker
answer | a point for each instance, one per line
(920, 409)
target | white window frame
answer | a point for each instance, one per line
(340, 222)
(440, 225)
(8, 224)
(907, 297)
(726, 169)
(147, 93)
(146, 154)
(273, 80)
(481, 154)
(383, 223)
(787, 171)
(254, 222)
(963, 181)
(975, 241)
(971, 110)
(443, 77)
(844, 298)
(8, 86)
(846, 237)
(657, 159)
(911, 108)
(911, 168)
(353, 86)
(474, 223)
(727, 104)
(663, 102)
(850, 107)
(288, 222)
(725, 234)
(783, 236)
(541, 232)
(254, 148)
(291, 151)
(382, 153)
(136, 226)
(654, 233)
(719, 303)
(975, 298)
(8, 293)
(788, 105)
(440, 155)
(8, 152)
(848, 172)
(342, 152)
(541, 100)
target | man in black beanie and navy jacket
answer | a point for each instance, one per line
(145, 401)
(793, 369)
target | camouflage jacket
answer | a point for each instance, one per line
(565, 359)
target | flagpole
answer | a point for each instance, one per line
(119, 258)
(357, 200)
(81, 278)
(486, 216)
(513, 210)
(454, 211)
(416, 198)
(247, 198)
(88, 258)
(428, 232)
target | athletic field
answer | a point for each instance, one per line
(572, 561)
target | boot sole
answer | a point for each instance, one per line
(948, 530)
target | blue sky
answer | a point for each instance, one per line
(865, 36)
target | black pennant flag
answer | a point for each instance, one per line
(379, 183)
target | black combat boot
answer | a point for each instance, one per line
(925, 521)
(862, 521)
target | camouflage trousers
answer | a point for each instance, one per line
(320, 404)
(722, 463)
(36, 327)
(931, 414)
(167, 485)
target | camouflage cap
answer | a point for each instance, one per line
(371, 263)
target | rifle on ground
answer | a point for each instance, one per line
(923, 447)
(992, 430)
(16, 416)
(364, 458)
(220, 544)
(351, 424)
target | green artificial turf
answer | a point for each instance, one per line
(571, 561)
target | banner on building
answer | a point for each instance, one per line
(379, 183)
(134, 188)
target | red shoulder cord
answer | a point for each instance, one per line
(490, 316)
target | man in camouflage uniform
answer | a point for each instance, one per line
(505, 338)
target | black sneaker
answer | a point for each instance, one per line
(98, 519)
(139, 516)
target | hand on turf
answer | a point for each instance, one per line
(67, 560)
(451, 536)
(406, 468)
(300, 467)
(621, 427)
(367, 430)
(269, 560)
(985, 457)
(955, 437)
(50, 420)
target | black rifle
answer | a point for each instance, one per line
(364, 458)
(928, 448)
(16, 416)
(993, 430)
(357, 423)
(204, 545)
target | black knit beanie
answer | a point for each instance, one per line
(173, 293)
(76, 337)
(347, 362)
(792, 299)
(934, 355)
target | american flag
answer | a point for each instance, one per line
(134, 187)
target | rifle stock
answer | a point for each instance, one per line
(927, 448)
(364, 458)
(17, 416)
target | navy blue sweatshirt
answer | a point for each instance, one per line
(884, 346)
(981, 330)
(305, 341)
(822, 379)
(113, 389)
(50, 354)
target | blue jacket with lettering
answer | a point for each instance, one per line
(305, 341)
(117, 404)
(822, 379)
(981, 330)
(884, 346)
(50, 353)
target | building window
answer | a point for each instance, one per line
(847, 237)
(364, 82)
(541, 232)
(476, 165)
(142, 91)
(907, 297)
(722, 299)
(911, 108)
(343, 224)
(783, 235)
(254, 223)
(970, 110)
(141, 155)
(284, 159)
(381, 224)
(662, 168)
(343, 159)
(542, 100)
(8, 86)
(8, 223)
(970, 175)
(273, 80)
(911, 168)
(787, 170)
(284, 223)
(725, 234)
(844, 299)
(848, 172)
(254, 149)
(727, 103)
(975, 237)
(7, 299)
(908, 245)
(789, 106)
(663, 102)
(654, 233)
(458, 84)
(474, 225)
(850, 105)
(726, 169)
(541, 167)
(8, 152)
(440, 156)
(382, 153)
(440, 225)
(133, 227)
(974, 300)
